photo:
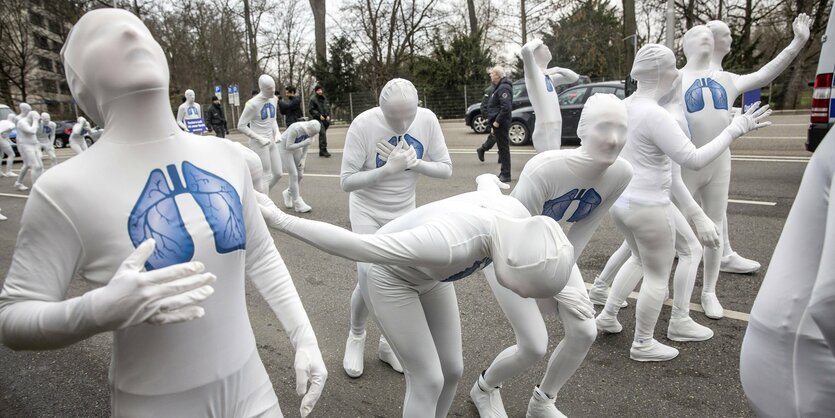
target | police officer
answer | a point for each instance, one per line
(499, 108)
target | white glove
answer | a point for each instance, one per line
(384, 149)
(310, 370)
(263, 141)
(399, 159)
(706, 230)
(753, 118)
(274, 217)
(412, 158)
(486, 181)
(161, 296)
(576, 301)
(801, 28)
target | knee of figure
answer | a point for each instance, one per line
(430, 383)
(454, 371)
(584, 333)
(532, 351)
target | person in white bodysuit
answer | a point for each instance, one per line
(6, 127)
(540, 82)
(295, 141)
(27, 145)
(46, 138)
(258, 122)
(190, 115)
(24, 109)
(644, 212)
(379, 191)
(79, 129)
(577, 186)
(708, 97)
(176, 205)
(788, 353)
(417, 257)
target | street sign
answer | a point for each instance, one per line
(218, 93)
(237, 95)
(231, 96)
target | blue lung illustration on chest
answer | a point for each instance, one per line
(410, 140)
(47, 130)
(156, 215)
(478, 265)
(191, 110)
(267, 111)
(549, 85)
(588, 200)
(301, 138)
(694, 96)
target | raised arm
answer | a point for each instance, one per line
(773, 68)
(561, 75)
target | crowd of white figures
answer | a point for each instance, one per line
(170, 286)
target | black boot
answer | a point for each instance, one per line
(324, 153)
(480, 152)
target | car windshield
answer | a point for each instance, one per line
(573, 96)
(5, 112)
(519, 90)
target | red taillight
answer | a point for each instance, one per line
(820, 98)
(68, 131)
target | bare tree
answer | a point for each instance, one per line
(630, 32)
(17, 57)
(473, 19)
(319, 13)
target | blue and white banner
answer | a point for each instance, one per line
(195, 126)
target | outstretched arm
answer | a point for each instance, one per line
(770, 71)
(561, 75)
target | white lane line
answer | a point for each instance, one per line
(773, 137)
(752, 202)
(739, 316)
(19, 196)
(336, 176)
(773, 157)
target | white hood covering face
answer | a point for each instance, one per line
(655, 70)
(602, 127)
(399, 103)
(267, 86)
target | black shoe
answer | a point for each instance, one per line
(324, 153)
(504, 178)
(480, 152)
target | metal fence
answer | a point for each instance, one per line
(446, 104)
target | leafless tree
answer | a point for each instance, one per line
(17, 57)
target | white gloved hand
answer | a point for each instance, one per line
(489, 180)
(311, 375)
(398, 160)
(161, 296)
(274, 217)
(706, 230)
(263, 141)
(412, 158)
(753, 118)
(384, 149)
(575, 301)
(532, 44)
(801, 28)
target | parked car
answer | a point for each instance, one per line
(5, 111)
(474, 120)
(63, 130)
(823, 103)
(571, 105)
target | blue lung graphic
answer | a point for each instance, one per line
(478, 265)
(588, 199)
(191, 110)
(301, 138)
(156, 215)
(46, 130)
(694, 96)
(267, 111)
(410, 140)
(549, 85)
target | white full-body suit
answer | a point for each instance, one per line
(540, 82)
(6, 127)
(644, 212)
(176, 205)
(190, 115)
(24, 109)
(79, 129)
(258, 122)
(708, 97)
(293, 150)
(419, 254)
(788, 354)
(46, 138)
(29, 148)
(380, 192)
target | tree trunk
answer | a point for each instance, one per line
(629, 32)
(524, 22)
(318, 7)
(473, 18)
(250, 41)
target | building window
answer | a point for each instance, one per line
(41, 41)
(63, 88)
(45, 63)
(36, 20)
(48, 86)
(59, 68)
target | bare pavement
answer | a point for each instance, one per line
(702, 381)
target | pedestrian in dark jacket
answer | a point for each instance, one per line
(291, 107)
(499, 108)
(491, 140)
(320, 109)
(215, 118)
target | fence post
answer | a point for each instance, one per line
(465, 99)
(425, 102)
(351, 105)
(303, 103)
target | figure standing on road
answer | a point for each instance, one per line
(190, 114)
(491, 139)
(293, 149)
(258, 122)
(320, 109)
(291, 107)
(499, 108)
(6, 127)
(29, 148)
(46, 138)
(79, 130)
(216, 119)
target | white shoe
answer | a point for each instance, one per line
(301, 207)
(20, 187)
(735, 263)
(487, 400)
(541, 406)
(288, 200)
(599, 293)
(608, 324)
(713, 309)
(686, 329)
(8, 174)
(652, 351)
(3, 218)
(386, 355)
(354, 351)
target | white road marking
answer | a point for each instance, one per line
(752, 202)
(19, 196)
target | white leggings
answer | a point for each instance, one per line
(270, 161)
(525, 316)
(49, 150)
(31, 161)
(78, 146)
(359, 310)
(8, 152)
(423, 327)
(293, 162)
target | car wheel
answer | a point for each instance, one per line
(59, 143)
(518, 133)
(479, 124)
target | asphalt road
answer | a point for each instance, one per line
(702, 381)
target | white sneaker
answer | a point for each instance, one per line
(686, 329)
(288, 200)
(20, 186)
(386, 355)
(713, 309)
(487, 400)
(3, 218)
(652, 351)
(301, 207)
(735, 263)
(354, 351)
(8, 174)
(600, 292)
(608, 324)
(541, 406)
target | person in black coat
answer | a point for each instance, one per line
(499, 108)
(215, 118)
(291, 107)
(320, 109)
